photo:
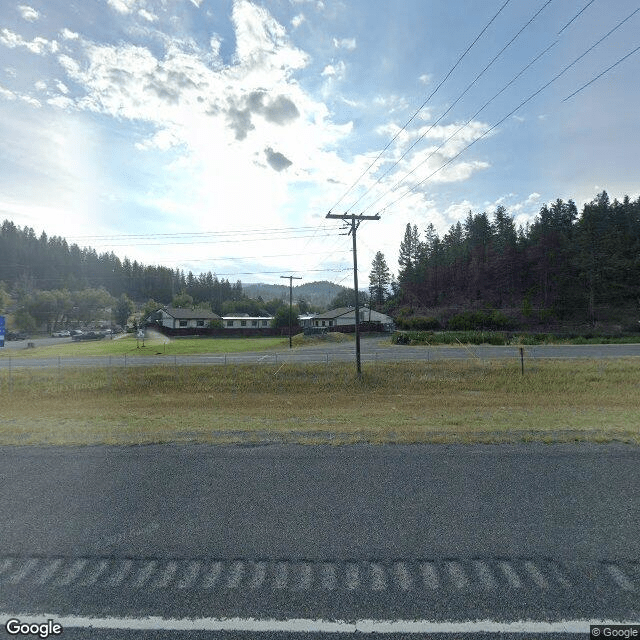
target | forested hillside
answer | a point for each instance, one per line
(565, 266)
(29, 263)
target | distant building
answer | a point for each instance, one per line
(245, 321)
(346, 317)
(171, 318)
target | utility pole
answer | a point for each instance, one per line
(352, 225)
(291, 279)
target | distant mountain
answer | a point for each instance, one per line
(316, 293)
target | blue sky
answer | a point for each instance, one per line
(217, 134)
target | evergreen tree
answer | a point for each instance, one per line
(379, 280)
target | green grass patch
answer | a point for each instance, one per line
(466, 402)
(156, 344)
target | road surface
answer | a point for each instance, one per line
(442, 534)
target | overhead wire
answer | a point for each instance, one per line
(464, 92)
(574, 17)
(533, 95)
(584, 86)
(482, 108)
(423, 104)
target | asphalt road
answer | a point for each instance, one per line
(373, 349)
(446, 534)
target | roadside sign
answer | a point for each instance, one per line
(2, 331)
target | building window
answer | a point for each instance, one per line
(199, 323)
(331, 323)
(264, 323)
(323, 323)
(183, 323)
(254, 323)
(243, 323)
(229, 323)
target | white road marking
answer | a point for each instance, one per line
(562, 580)
(5, 565)
(212, 577)
(308, 625)
(49, 571)
(145, 573)
(485, 575)
(235, 575)
(510, 575)
(117, 579)
(429, 575)
(329, 577)
(457, 575)
(620, 578)
(352, 577)
(190, 575)
(25, 570)
(378, 580)
(403, 576)
(74, 571)
(259, 574)
(282, 574)
(93, 577)
(535, 574)
(306, 576)
(167, 575)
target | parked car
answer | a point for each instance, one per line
(17, 335)
(60, 334)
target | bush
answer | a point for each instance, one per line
(479, 320)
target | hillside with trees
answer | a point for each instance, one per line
(564, 267)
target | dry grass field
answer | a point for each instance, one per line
(468, 402)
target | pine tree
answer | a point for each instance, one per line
(379, 279)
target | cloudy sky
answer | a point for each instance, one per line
(217, 134)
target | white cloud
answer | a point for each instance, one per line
(67, 34)
(296, 21)
(28, 13)
(62, 88)
(122, 6)
(345, 43)
(41, 85)
(336, 71)
(38, 45)
(533, 197)
(149, 17)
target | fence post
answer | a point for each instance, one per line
(522, 359)
(10, 378)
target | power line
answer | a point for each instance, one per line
(601, 74)
(395, 164)
(422, 105)
(533, 95)
(574, 17)
(486, 104)
(196, 234)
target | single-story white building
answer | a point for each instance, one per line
(345, 316)
(187, 318)
(246, 322)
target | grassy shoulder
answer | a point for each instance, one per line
(465, 402)
(156, 344)
(505, 338)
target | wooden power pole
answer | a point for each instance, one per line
(352, 222)
(291, 279)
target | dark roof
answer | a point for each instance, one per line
(191, 314)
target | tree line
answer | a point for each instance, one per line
(564, 266)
